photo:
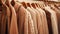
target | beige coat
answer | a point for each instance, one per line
(39, 22)
(3, 19)
(53, 20)
(44, 21)
(22, 19)
(13, 29)
(33, 15)
(58, 15)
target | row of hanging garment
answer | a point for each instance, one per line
(29, 18)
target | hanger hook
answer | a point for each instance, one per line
(24, 4)
(2, 1)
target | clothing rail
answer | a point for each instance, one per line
(43, 2)
(52, 1)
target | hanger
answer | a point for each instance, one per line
(52, 6)
(13, 2)
(37, 5)
(42, 5)
(2, 4)
(7, 3)
(56, 6)
(24, 4)
(33, 5)
(29, 5)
